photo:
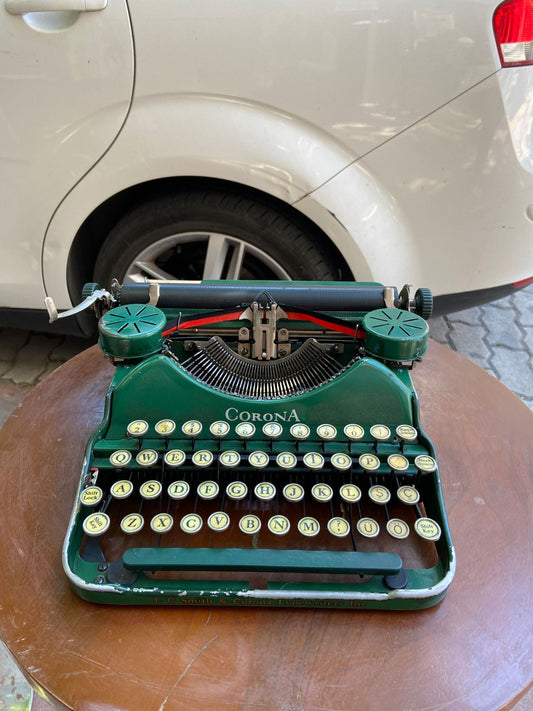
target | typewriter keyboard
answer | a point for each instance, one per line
(271, 485)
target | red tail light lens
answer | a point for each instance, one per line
(513, 28)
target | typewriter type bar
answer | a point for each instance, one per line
(261, 452)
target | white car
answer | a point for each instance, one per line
(384, 141)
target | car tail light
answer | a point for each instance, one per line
(513, 28)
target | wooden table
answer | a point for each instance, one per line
(474, 650)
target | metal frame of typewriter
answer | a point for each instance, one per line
(259, 353)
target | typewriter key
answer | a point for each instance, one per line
(381, 433)
(354, 432)
(379, 494)
(341, 461)
(300, 431)
(398, 463)
(286, 460)
(91, 496)
(397, 528)
(165, 427)
(428, 529)
(250, 524)
(350, 493)
(219, 428)
(161, 523)
(322, 492)
(178, 490)
(313, 460)
(202, 458)
(272, 429)
(406, 432)
(279, 525)
(408, 495)
(132, 523)
(229, 459)
(425, 463)
(208, 490)
(121, 489)
(245, 430)
(137, 428)
(237, 490)
(338, 527)
(293, 492)
(368, 528)
(191, 523)
(265, 491)
(96, 524)
(308, 526)
(258, 460)
(191, 428)
(218, 521)
(174, 458)
(146, 457)
(150, 489)
(121, 458)
(326, 432)
(369, 462)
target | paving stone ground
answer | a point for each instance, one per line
(497, 336)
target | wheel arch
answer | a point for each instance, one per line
(94, 230)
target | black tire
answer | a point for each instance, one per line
(173, 232)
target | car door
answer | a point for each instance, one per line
(66, 83)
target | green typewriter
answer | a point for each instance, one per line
(261, 445)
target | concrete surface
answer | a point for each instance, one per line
(497, 336)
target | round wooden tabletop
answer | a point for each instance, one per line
(473, 650)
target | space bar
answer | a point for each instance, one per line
(245, 559)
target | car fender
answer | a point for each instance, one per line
(217, 138)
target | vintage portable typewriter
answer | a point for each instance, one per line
(261, 445)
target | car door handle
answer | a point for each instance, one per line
(21, 7)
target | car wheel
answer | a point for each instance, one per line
(211, 235)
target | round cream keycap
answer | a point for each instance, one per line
(279, 525)
(300, 431)
(408, 494)
(406, 432)
(326, 432)
(338, 527)
(293, 492)
(341, 461)
(207, 490)
(119, 459)
(245, 430)
(202, 458)
(165, 428)
(161, 523)
(121, 489)
(381, 433)
(397, 528)
(219, 428)
(308, 526)
(313, 460)
(258, 460)
(350, 493)
(91, 496)
(150, 489)
(229, 458)
(250, 524)
(146, 458)
(96, 524)
(368, 528)
(369, 462)
(218, 521)
(272, 430)
(174, 458)
(322, 492)
(178, 490)
(354, 432)
(132, 523)
(265, 491)
(191, 523)
(191, 428)
(137, 428)
(379, 494)
(236, 490)
(428, 529)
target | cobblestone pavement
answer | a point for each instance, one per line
(497, 336)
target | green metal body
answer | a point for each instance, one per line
(156, 387)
